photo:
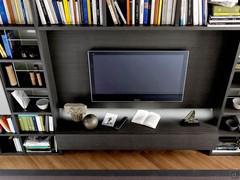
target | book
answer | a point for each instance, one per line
(61, 10)
(195, 13)
(6, 45)
(120, 12)
(141, 12)
(28, 12)
(7, 11)
(2, 51)
(94, 12)
(11, 126)
(77, 12)
(49, 12)
(57, 12)
(35, 123)
(159, 15)
(89, 12)
(128, 11)
(20, 11)
(11, 75)
(17, 144)
(174, 12)
(146, 118)
(101, 12)
(45, 12)
(226, 11)
(133, 7)
(110, 7)
(71, 8)
(39, 125)
(85, 12)
(51, 124)
(40, 11)
(4, 124)
(190, 13)
(200, 13)
(146, 12)
(152, 12)
(115, 12)
(3, 13)
(169, 12)
(164, 12)
(23, 11)
(67, 11)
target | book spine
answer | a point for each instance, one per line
(7, 11)
(152, 12)
(128, 11)
(156, 9)
(133, 11)
(51, 124)
(77, 12)
(137, 4)
(115, 12)
(72, 12)
(141, 11)
(3, 13)
(47, 123)
(61, 10)
(48, 10)
(120, 12)
(169, 12)
(85, 12)
(56, 9)
(4, 54)
(200, 20)
(1, 22)
(174, 12)
(7, 46)
(42, 123)
(89, 12)
(190, 13)
(195, 13)
(10, 8)
(20, 11)
(67, 11)
(45, 12)
(101, 12)
(94, 12)
(10, 123)
(112, 12)
(146, 11)
(164, 9)
(24, 12)
(29, 11)
(38, 121)
(81, 10)
(40, 11)
(35, 123)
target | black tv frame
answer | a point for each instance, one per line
(136, 97)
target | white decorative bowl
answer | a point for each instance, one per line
(42, 104)
(236, 103)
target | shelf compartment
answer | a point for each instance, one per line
(7, 145)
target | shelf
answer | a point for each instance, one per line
(164, 127)
(26, 89)
(235, 87)
(8, 134)
(33, 133)
(231, 111)
(20, 60)
(17, 27)
(135, 28)
(225, 133)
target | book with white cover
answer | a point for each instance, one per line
(29, 11)
(174, 12)
(40, 11)
(77, 12)
(110, 7)
(152, 12)
(72, 11)
(101, 11)
(120, 12)
(94, 12)
(7, 12)
(49, 12)
(200, 14)
(133, 12)
(146, 118)
(1, 22)
(10, 123)
(195, 13)
(141, 11)
(50, 121)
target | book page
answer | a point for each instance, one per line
(140, 116)
(152, 120)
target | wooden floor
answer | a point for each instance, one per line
(147, 160)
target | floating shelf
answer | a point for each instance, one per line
(17, 27)
(20, 60)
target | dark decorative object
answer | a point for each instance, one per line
(232, 124)
(90, 121)
(190, 120)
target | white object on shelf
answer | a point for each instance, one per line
(109, 119)
(236, 103)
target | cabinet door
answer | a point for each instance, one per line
(4, 106)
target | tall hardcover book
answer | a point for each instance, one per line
(67, 11)
(141, 12)
(174, 12)
(190, 13)
(110, 7)
(195, 13)
(56, 9)
(40, 11)
(7, 11)
(94, 12)
(89, 12)
(152, 12)
(133, 9)
(9, 5)
(120, 12)
(128, 11)
(101, 11)
(85, 12)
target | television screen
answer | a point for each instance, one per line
(137, 75)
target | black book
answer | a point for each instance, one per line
(44, 12)
(137, 4)
(178, 12)
(190, 13)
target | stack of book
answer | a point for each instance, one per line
(75, 12)
(225, 16)
(36, 123)
(227, 148)
(15, 12)
(6, 124)
(37, 144)
(158, 12)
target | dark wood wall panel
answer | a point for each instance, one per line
(69, 57)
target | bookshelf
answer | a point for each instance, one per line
(63, 56)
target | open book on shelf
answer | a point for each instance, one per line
(146, 118)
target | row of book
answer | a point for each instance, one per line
(158, 12)
(15, 12)
(225, 16)
(37, 144)
(6, 125)
(36, 123)
(75, 12)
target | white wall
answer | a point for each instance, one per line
(4, 107)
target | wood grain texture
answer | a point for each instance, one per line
(122, 160)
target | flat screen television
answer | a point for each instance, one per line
(137, 75)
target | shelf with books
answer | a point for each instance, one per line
(10, 145)
(35, 124)
(7, 125)
(70, 12)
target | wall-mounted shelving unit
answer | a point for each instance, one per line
(214, 52)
